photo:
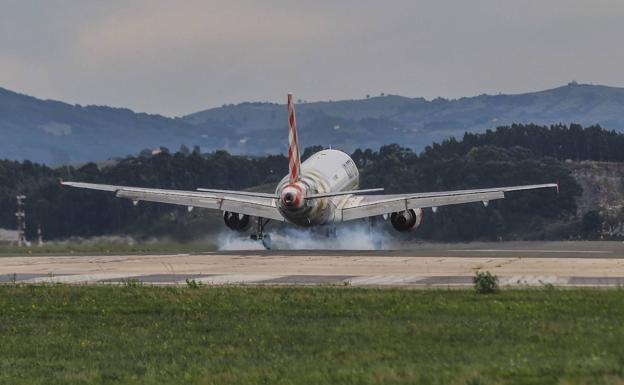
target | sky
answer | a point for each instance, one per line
(178, 57)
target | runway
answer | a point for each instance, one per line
(516, 264)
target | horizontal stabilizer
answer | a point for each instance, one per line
(339, 193)
(242, 193)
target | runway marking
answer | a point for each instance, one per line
(446, 280)
(384, 280)
(294, 280)
(533, 280)
(19, 277)
(309, 279)
(157, 278)
(597, 281)
(531, 251)
(231, 279)
(77, 278)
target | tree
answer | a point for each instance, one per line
(309, 151)
(184, 150)
(591, 224)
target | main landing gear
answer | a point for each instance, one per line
(259, 235)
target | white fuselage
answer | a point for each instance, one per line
(324, 172)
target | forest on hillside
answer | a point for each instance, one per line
(519, 154)
(559, 141)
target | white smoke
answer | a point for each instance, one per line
(348, 237)
(237, 241)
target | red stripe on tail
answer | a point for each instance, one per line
(294, 161)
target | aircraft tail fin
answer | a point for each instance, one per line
(294, 160)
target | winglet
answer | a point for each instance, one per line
(294, 160)
(557, 187)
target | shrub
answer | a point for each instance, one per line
(193, 284)
(485, 282)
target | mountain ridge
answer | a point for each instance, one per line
(54, 132)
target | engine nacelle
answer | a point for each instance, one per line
(407, 220)
(237, 222)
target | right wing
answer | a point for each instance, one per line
(240, 202)
(372, 205)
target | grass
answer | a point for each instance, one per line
(107, 248)
(241, 335)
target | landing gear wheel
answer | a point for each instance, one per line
(264, 238)
(260, 235)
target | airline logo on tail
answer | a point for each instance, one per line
(294, 161)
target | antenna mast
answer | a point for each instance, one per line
(21, 220)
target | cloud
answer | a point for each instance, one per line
(199, 25)
(179, 57)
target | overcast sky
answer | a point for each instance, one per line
(178, 57)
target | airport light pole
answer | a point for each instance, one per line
(21, 220)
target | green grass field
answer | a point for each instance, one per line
(326, 335)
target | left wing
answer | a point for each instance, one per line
(240, 202)
(357, 207)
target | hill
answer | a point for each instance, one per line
(411, 122)
(56, 133)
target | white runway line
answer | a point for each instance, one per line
(533, 280)
(226, 279)
(364, 280)
(532, 251)
(384, 279)
(78, 278)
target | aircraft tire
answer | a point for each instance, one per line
(266, 241)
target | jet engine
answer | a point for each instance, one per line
(407, 220)
(237, 222)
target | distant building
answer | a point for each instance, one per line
(160, 150)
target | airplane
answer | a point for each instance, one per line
(323, 190)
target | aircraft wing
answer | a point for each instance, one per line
(371, 205)
(241, 202)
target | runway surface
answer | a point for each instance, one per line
(426, 265)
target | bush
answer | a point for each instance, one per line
(485, 283)
(193, 284)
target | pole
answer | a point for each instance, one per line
(21, 220)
